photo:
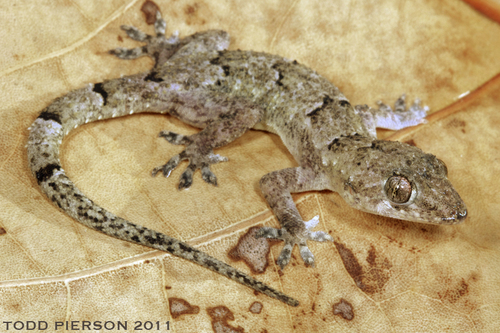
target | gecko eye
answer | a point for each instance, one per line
(398, 189)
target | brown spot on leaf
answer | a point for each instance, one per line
(149, 8)
(120, 38)
(220, 315)
(168, 287)
(190, 10)
(256, 307)
(179, 307)
(2, 231)
(344, 309)
(371, 280)
(372, 255)
(455, 292)
(456, 123)
(253, 251)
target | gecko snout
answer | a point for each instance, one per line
(457, 215)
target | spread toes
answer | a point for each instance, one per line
(292, 240)
(198, 158)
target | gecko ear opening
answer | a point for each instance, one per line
(398, 189)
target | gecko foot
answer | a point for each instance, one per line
(198, 158)
(157, 47)
(401, 117)
(290, 241)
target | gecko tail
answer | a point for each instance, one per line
(45, 138)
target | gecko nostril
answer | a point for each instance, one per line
(461, 215)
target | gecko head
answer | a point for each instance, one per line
(398, 180)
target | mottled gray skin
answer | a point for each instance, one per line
(226, 93)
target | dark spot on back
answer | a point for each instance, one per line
(226, 68)
(326, 101)
(315, 112)
(344, 103)
(280, 77)
(152, 77)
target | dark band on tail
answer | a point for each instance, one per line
(46, 115)
(100, 90)
(46, 172)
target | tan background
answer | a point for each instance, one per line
(397, 276)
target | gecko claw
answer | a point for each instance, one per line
(285, 255)
(306, 255)
(208, 176)
(186, 179)
(169, 166)
(160, 25)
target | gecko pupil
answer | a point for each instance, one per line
(398, 189)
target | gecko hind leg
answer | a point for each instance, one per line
(386, 117)
(401, 117)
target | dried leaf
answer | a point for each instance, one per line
(396, 276)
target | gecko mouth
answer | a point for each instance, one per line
(457, 215)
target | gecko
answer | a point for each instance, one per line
(225, 93)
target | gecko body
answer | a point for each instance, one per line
(226, 93)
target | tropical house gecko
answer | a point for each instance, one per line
(225, 93)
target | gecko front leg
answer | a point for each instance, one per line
(277, 187)
(162, 49)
